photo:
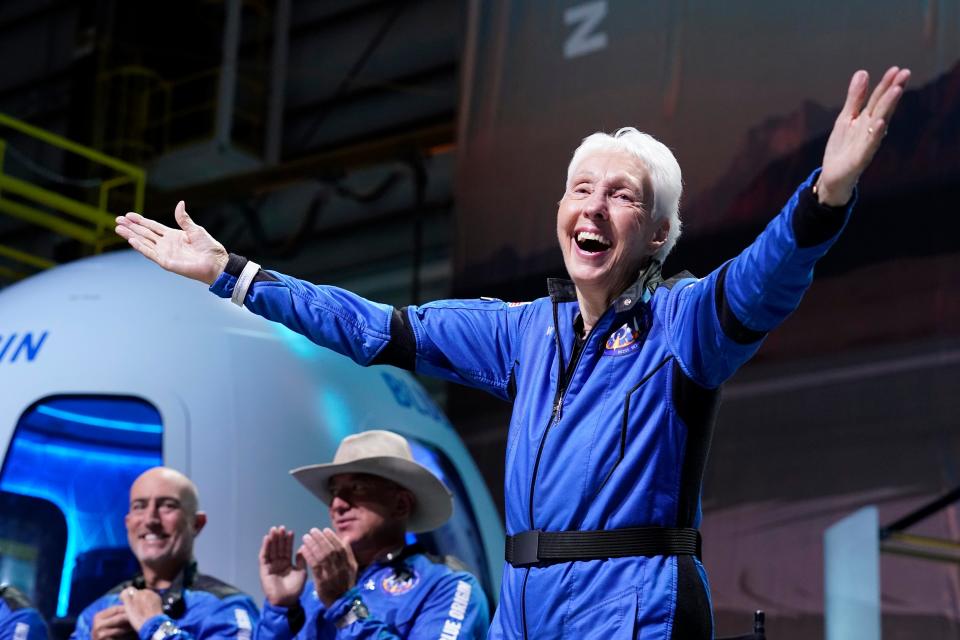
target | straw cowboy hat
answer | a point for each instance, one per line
(388, 455)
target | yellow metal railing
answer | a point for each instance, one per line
(91, 224)
(146, 116)
(127, 98)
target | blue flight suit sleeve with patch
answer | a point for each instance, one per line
(207, 617)
(19, 622)
(441, 604)
(232, 617)
(476, 342)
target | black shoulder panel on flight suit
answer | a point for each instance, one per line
(14, 598)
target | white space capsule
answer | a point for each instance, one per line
(111, 365)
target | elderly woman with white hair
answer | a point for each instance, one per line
(614, 377)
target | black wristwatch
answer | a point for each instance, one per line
(165, 630)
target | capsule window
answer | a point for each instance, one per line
(63, 495)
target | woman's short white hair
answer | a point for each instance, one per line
(659, 161)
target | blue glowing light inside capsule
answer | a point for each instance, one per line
(96, 421)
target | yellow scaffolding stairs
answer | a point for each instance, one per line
(89, 223)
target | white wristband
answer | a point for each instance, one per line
(243, 283)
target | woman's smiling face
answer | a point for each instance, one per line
(604, 222)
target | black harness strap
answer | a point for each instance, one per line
(536, 547)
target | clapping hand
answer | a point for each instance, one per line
(331, 562)
(282, 580)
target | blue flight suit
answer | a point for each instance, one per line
(200, 606)
(412, 596)
(609, 432)
(18, 620)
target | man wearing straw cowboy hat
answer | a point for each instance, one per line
(367, 583)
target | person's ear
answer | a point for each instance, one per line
(199, 522)
(403, 507)
(660, 236)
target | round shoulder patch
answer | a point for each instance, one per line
(399, 582)
(624, 340)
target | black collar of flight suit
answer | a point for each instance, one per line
(172, 597)
(648, 279)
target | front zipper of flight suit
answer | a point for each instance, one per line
(562, 381)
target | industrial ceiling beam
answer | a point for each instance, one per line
(337, 161)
